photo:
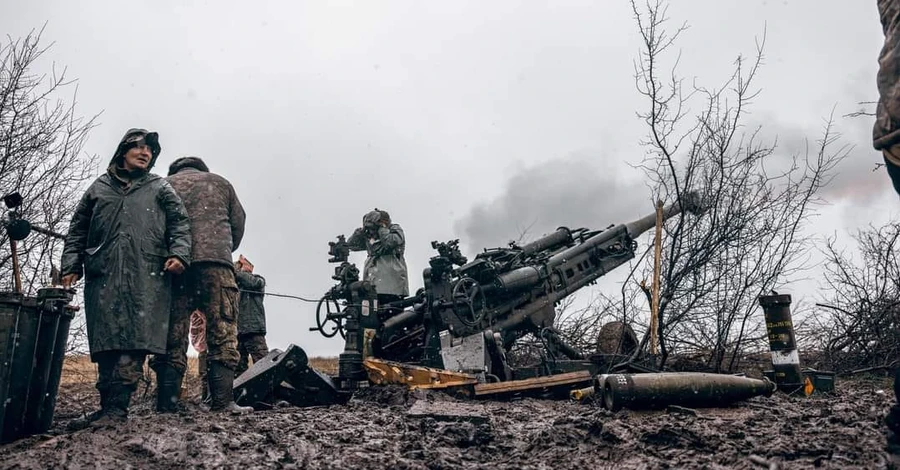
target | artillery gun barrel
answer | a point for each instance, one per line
(647, 222)
(632, 229)
(562, 236)
(573, 267)
(528, 276)
(402, 319)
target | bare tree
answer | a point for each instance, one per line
(751, 236)
(860, 323)
(41, 140)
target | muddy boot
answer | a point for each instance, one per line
(84, 422)
(204, 379)
(168, 389)
(221, 384)
(892, 420)
(117, 411)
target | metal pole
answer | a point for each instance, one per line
(654, 304)
(17, 276)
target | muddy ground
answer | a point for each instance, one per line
(376, 430)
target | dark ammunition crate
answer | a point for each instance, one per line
(822, 381)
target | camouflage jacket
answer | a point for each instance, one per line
(120, 237)
(385, 266)
(251, 313)
(886, 132)
(217, 217)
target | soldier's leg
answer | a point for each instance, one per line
(202, 368)
(106, 363)
(893, 417)
(128, 371)
(244, 360)
(118, 373)
(256, 346)
(892, 163)
(170, 367)
(219, 299)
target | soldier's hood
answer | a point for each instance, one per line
(133, 135)
(188, 162)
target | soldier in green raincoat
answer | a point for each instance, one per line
(129, 235)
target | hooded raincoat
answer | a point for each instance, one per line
(251, 311)
(385, 266)
(119, 239)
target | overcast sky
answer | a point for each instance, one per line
(470, 120)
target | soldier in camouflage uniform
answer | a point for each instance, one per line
(251, 324)
(252, 317)
(385, 267)
(129, 235)
(217, 227)
(886, 132)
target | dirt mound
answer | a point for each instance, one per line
(379, 429)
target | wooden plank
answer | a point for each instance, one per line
(654, 297)
(535, 383)
(388, 372)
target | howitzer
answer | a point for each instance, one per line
(470, 313)
(460, 325)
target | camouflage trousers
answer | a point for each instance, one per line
(250, 345)
(210, 288)
(125, 368)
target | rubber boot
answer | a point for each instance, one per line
(84, 422)
(892, 420)
(204, 379)
(897, 385)
(221, 385)
(119, 401)
(168, 389)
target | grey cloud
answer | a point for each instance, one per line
(855, 180)
(318, 111)
(578, 190)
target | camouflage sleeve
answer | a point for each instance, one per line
(357, 241)
(389, 239)
(886, 132)
(238, 220)
(73, 250)
(249, 281)
(178, 225)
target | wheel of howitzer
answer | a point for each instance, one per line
(468, 300)
(616, 338)
(330, 317)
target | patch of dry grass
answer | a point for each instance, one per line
(79, 369)
(328, 365)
